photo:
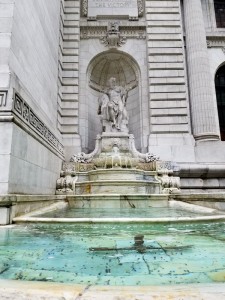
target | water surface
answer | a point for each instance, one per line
(151, 212)
(61, 253)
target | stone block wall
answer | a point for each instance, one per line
(33, 59)
(167, 78)
(6, 21)
(31, 151)
(68, 98)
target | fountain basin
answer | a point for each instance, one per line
(186, 253)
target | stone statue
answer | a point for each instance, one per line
(112, 108)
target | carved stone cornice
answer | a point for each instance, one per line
(89, 32)
(216, 42)
(120, 36)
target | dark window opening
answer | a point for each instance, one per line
(220, 95)
(220, 13)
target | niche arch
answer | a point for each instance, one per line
(220, 97)
(124, 68)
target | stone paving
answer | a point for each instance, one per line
(10, 290)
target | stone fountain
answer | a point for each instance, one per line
(116, 167)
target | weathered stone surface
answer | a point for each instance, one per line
(112, 8)
(4, 216)
(47, 291)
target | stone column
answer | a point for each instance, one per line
(205, 122)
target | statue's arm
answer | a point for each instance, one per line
(131, 85)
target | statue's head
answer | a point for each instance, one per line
(112, 82)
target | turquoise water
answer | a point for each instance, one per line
(186, 253)
(152, 212)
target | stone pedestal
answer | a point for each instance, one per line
(116, 167)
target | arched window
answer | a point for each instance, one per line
(220, 13)
(220, 94)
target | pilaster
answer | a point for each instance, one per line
(205, 123)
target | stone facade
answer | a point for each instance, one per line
(31, 148)
(54, 64)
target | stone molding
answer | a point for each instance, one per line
(84, 8)
(22, 110)
(140, 8)
(3, 98)
(216, 42)
(102, 33)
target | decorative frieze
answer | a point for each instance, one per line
(3, 98)
(218, 42)
(27, 115)
(84, 8)
(140, 8)
(113, 36)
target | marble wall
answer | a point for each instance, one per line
(33, 59)
(29, 62)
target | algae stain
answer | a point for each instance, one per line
(217, 276)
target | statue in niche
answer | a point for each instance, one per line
(112, 107)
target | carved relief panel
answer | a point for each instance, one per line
(98, 8)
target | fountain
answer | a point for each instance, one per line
(118, 223)
(116, 166)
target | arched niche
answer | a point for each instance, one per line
(220, 96)
(125, 69)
